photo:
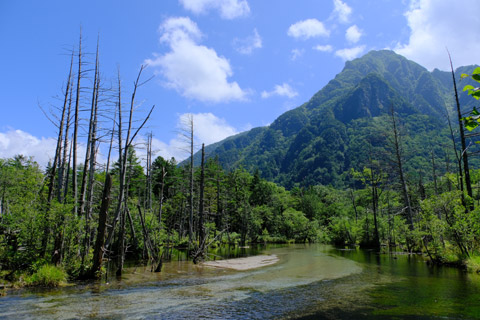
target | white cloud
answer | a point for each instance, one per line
(176, 148)
(353, 34)
(18, 142)
(179, 29)
(229, 9)
(297, 53)
(281, 90)
(342, 11)
(350, 53)
(438, 24)
(325, 48)
(15, 142)
(207, 128)
(194, 70)
(247, 45)
(308, 29)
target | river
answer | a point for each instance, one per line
(309, 282)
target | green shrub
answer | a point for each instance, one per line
(47, 276)
(231, 238)
(473, 264)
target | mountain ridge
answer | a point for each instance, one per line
(317, 142)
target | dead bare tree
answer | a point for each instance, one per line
(63, 169)
(148, 185)
(90, 137)
(53, 172)
(401, 173)
(162, 189)
(147, 242)
(111, 139)
(458, 158)
(123, 155)
(375, 179)
(202, 201)
(189, 124)
(99, 248)
(58, 149)
(464, 154)
(93, 156)
(76, 124)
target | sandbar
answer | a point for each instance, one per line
(241, 264)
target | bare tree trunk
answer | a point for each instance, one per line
(181, 219)
(147, 242)
(459, 160)
(190, 220)
(202, 200)
(83, 185)
(161, 198)
(121, 244)
(75, 126)
(122, 197)
(111, 140)
(91, 176)
(118, 212)
(58, 150)
(218, 220)
(464, 154)
(51, 184)
(89, 162)
(199, 253)
(90, 138)
(374, 180)
(132, 229)
(119, 215)
(93, 165)
(63, 174)
(406, 196)
(99, 249)
(67, 180)
(148, 191)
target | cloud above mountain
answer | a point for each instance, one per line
(283, 90)
(194, 70)
(438, 25)
(309, 28)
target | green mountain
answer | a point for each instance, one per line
(348, 122)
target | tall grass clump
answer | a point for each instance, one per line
(47, 276)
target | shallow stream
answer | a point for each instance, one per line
(309, 281)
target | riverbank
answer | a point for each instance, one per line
(241, 264)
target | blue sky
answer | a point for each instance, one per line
(232, 64)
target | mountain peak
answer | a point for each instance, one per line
(318, 141)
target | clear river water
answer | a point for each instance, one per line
(309, 282)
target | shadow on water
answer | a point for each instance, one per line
(308, 282)
(407, 287)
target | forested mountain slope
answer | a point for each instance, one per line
(348, 123)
